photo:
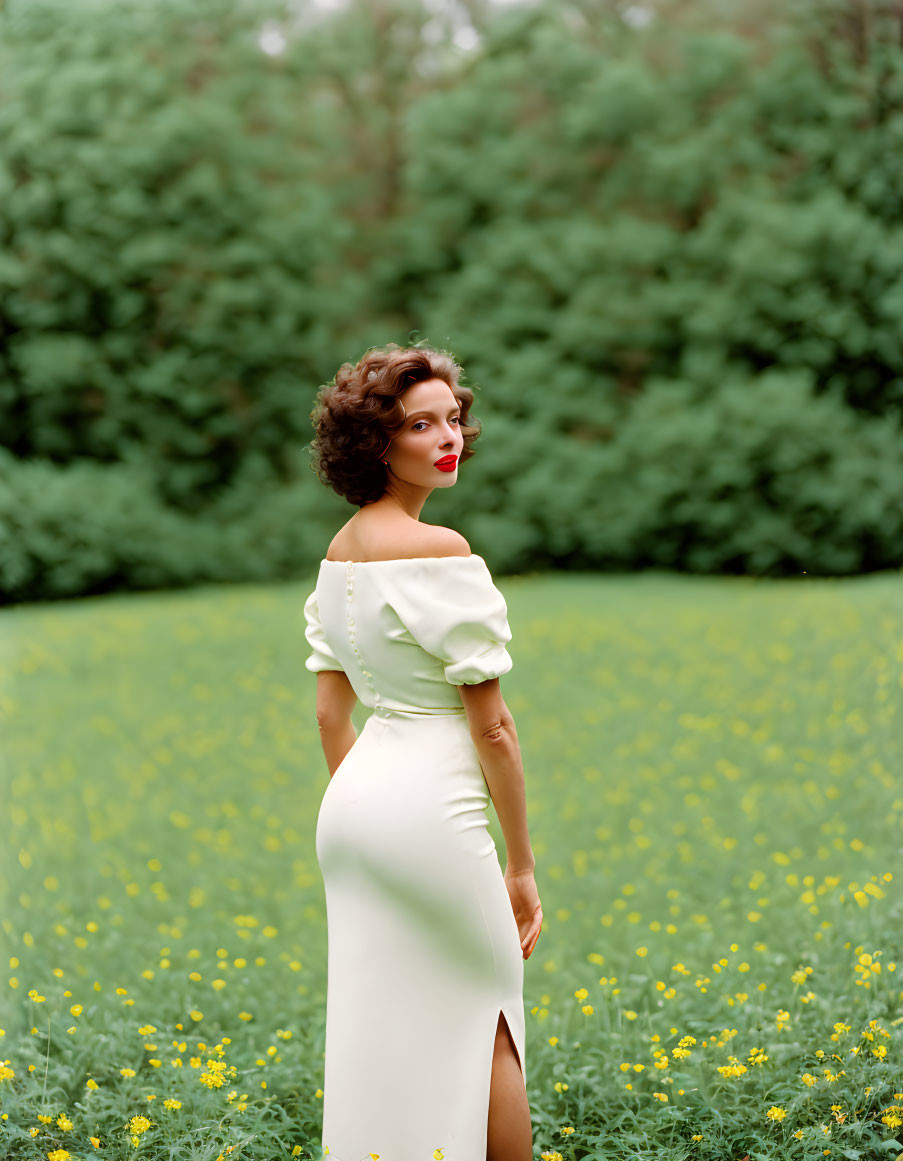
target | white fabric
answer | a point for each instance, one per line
(423, 948)
(422, 623)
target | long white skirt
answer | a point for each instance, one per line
(423, 947)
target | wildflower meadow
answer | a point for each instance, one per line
(713, 784)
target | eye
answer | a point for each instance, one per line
(414, 426)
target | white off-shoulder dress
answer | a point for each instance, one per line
(423, 947)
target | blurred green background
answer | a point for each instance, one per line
(664, 241)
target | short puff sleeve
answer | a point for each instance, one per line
(322, 656)
(457, 614)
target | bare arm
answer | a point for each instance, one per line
(495, 739)
(335, 701)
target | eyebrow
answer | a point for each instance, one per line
(433, 413)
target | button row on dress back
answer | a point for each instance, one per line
(349, 567)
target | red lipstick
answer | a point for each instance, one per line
(446, 464)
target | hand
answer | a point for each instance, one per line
(527, 908)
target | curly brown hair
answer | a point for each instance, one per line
(358, 413)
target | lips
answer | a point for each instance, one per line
(446, 462)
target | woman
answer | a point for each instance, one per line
(425, 1023)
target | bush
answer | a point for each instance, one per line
(765, 478)
(694, 224)
(92, 528)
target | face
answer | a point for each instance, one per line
(431, 432)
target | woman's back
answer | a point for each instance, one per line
(407, 630)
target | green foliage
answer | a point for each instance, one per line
(169, 277)
(762, 479)
(94, 528)
(195, 233)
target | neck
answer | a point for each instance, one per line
(407, 498)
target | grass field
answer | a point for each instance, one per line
(715, 800)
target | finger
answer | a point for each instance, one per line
(532, 931)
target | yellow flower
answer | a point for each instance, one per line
(139, 1124)
(58, 1155)
(776, 1113)
(172, 1103)
(63, 1122)
(127, 1072)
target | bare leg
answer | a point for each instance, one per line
(510, 1134)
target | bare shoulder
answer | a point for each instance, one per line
(395, 540)
(437, 540)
